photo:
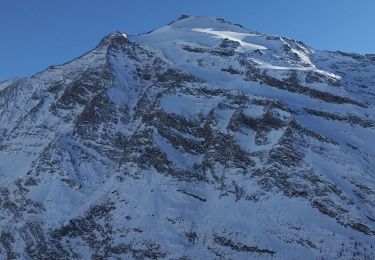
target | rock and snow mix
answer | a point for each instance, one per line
(198, 140)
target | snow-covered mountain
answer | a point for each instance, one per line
(198, 140)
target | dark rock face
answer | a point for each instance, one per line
(220, 143)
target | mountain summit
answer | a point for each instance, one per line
(199, 140)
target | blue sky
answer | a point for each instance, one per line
(38, 33)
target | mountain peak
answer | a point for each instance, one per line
(114, 37)
(166, 144)
(214, 22)
(198, 33)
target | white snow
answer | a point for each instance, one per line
(14, 165)
(234, 36)
(189, 106)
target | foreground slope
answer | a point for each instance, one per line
(200, 139)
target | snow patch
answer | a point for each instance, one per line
(233, 36)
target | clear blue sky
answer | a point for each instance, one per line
(37, 33)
